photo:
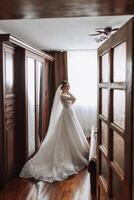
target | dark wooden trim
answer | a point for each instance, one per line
(36, 123)
(132, 184)
(26, 100)
(9, 116)
(21, 43)
(21, 107)
(13, 40)
(98, 123)
(69, 9)
(1, 120)
(110, 118)
(133, 128)
(129, 103)
(102, 53)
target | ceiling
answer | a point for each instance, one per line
(60, 33)
(31, 9)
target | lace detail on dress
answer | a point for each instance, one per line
(49, 176)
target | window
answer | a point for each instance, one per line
(82, 75)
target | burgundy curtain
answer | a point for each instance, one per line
(56, 73)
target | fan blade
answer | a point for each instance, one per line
(103, 38)
(115, 29)
(101, 32)
(97, 40)
(94, 34)
(99, 29)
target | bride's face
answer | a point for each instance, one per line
(66, 88)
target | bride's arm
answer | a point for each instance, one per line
(73, 98)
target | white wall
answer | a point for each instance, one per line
(1, 31)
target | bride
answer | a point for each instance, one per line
(65, 149)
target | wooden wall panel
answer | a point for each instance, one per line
(9, 75)
(1, 120)
(10, 152)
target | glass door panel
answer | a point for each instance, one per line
(39, 95)
(105, 68)
(31, 104)
(119, 108)
(104, 97)
(119, 63)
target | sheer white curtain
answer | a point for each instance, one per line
(82, 75)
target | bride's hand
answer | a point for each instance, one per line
(69, 93)
(72, 96)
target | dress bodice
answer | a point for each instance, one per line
(67, 100)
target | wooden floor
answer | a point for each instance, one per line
(77, 187)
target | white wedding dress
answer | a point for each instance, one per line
(65, 149)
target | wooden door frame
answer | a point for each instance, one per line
(133, 141)
(125, 33)
(2, 177)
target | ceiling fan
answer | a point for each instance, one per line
(104, 32)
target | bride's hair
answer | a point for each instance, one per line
(63, 83)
